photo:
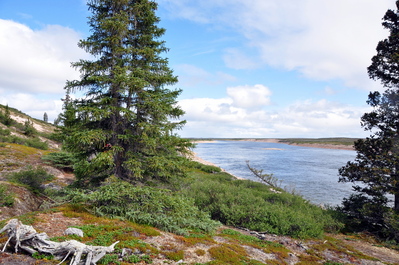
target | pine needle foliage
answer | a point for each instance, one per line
(124, 125)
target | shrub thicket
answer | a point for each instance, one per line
(255, 206)
(160, 208)
(31, 142)
(32, 178)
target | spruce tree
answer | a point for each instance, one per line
(124, 125)
(375, 171)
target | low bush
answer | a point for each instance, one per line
(32, 178)
(28, 129)
(31, 142)
(255, 206)
(6, 198)
(5, 132)
(204, 168)
(150, 206)
(362, 213)
(60, 160)
(36, 143)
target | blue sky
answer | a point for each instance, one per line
(247, 68)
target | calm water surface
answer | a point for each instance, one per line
(313, 172)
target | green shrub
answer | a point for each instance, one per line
(37, 255)
(36, 143)
(5, 132)
(61, 160)
(110, 259)
(28, 129)
(31, 142)
(150, 206)
(32, 178)
(254, 206)
(136, 259)
(204, 168)
(6, 198)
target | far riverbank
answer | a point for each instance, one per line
(283, 141)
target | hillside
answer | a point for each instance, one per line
(143, 244)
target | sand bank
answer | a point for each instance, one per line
(314, 145)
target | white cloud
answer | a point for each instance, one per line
(34, 66)
(37, 61)
(208, 117)
(249, 97)
(324, 40)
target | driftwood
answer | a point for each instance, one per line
(26, 238)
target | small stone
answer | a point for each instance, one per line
(126, 252)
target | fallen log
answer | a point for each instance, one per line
(26, 238)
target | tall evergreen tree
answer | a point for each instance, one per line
(375, 171)
(125, 123)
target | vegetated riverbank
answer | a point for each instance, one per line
(326, 143)
(227, 245)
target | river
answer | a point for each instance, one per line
(313, 172)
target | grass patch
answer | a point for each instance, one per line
(228, 254)
(337, 246)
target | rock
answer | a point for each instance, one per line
(73, 231)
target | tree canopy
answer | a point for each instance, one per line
(385, 64)
(124, 124)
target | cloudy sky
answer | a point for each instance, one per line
(247, 68)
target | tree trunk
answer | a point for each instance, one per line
(26, 238)
(396, 203)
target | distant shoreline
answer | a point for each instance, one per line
(280, 141)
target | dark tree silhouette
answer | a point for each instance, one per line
(375, 171)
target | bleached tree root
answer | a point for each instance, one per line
(26, 238)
